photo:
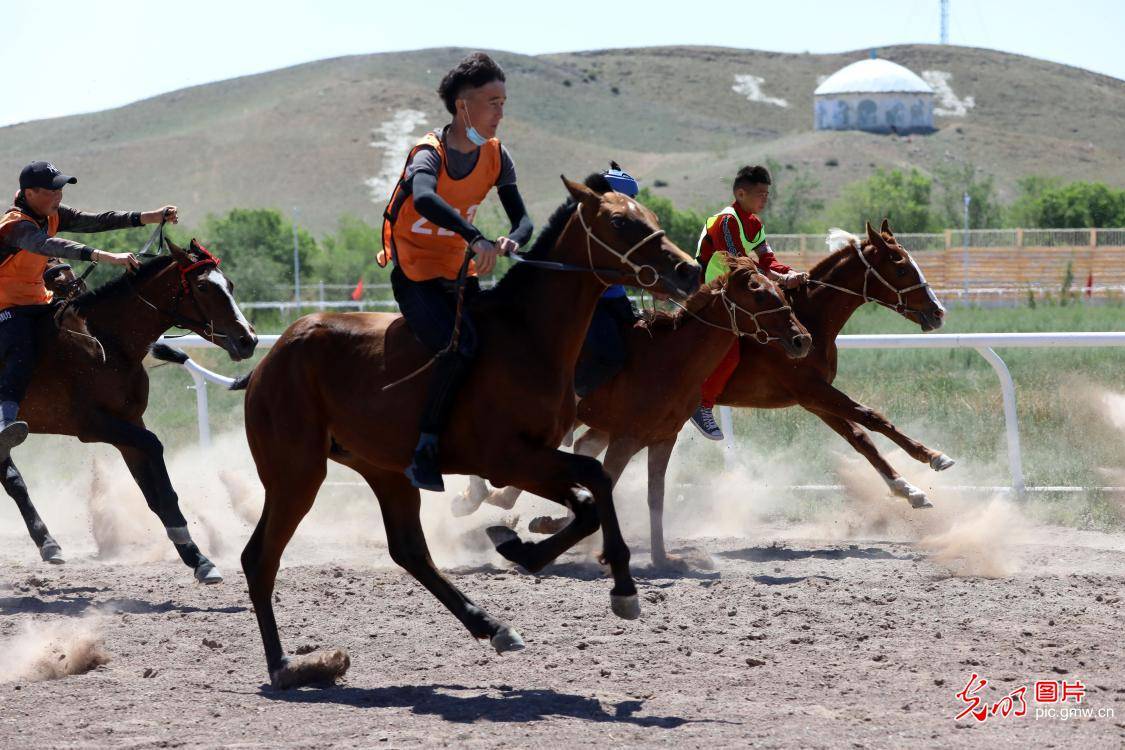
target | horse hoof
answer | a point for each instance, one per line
(922, 502)
(625, 607)
(465, 504)
(52, 553)
(547, 525)
(502, 499)
(507, 639)
(208, 574)
(317, 668)
(941, 462)
(499, 535)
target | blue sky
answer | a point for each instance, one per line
(112, 52)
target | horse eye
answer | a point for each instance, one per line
(900, 272)
(617, 222)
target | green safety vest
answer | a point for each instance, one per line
(717, 266)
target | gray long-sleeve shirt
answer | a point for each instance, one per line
(32, 236)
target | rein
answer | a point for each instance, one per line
(759, 334)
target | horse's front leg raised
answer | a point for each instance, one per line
(144, 455)
(826, 398)
(14, 485)
(862, 443)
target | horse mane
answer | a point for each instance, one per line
(839, 243)
(657, 319)
(121, 286)
(510, 288)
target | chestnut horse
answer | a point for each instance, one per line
(877, 270)
(681, 350)
(337, 386)
(90, 381)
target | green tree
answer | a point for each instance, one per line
(682, 226)
(1047, 202)
(953, 181)
(349, 254)
(256, 247)
(902, 197)
(792, 207)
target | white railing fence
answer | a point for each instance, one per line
(983, 343)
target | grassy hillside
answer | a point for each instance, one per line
(302, 136)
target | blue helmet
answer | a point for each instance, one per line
(621, 181)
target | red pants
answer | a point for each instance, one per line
(714, 385)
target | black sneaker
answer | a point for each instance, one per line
(704, 421)
(425, 471)
(11, 435)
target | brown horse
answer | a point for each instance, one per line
(337, 387)
(90, 382)
(640, 410)
(877, 270)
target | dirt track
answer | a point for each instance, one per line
(861, 643)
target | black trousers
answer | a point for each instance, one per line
(603, 353)
(430, 308)
(20, 328)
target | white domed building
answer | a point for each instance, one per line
(875, 95)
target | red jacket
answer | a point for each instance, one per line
(723, 235)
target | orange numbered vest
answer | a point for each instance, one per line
(424, 251)
(21, 274)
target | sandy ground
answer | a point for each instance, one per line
(788, 641)
(852, 623)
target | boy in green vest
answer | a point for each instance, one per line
(736, 231)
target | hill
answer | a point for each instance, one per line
(328, 137)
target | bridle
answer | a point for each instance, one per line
(900, 306)
(732, 308)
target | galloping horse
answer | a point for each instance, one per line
(876, 270)
(681, 350)
(338, 387)
(93, 385)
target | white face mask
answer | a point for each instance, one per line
(472, 133)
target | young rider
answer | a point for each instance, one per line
(429, 223)
(737, 231)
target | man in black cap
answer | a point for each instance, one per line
(27, 243)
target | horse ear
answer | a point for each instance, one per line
(875, 238)
(175, 249)
(579, 192)
(885, 228)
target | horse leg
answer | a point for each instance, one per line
(400, 503)
(580, 483)
(828, 399)
(468, 501)
(289, 496)
(861, 442)
(592, 443)
(659, 454)
(14, 485)
(144, 455)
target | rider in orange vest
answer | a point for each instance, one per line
(429, 223)
(737, 231)
(27, 243)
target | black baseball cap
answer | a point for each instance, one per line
(42, 174)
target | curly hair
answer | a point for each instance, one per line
(747, 176)
(476, 70)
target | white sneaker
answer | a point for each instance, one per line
(704, 421)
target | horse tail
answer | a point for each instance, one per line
(241, 382)
(165, 353)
